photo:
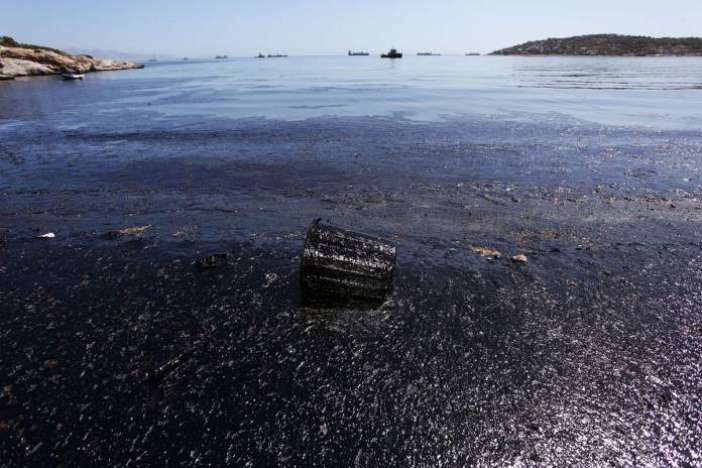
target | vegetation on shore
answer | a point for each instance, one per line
(7, 41)
(609, 44)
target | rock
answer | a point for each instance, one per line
(486, 251)
(521, 258)
(24, 60)
(342, 267)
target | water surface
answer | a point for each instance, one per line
(654, 92)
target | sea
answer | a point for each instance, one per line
(651, 92)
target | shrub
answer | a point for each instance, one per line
(7, 41)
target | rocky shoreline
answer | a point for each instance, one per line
(610, 45)
(18, 60)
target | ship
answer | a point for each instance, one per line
(260, 55)
(473, 54)
(358, 54)
(393, 54)
(428, 54)
(221, 57)
(72, 76)
(277, 56)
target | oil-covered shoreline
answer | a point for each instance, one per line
(586, 354)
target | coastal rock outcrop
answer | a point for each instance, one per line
(610, 45)
(29, 60)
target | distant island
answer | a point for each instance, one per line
(18, 59)
(609, 45)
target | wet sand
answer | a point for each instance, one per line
(118, 350)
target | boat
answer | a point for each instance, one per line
(260, 55)
(428, 54)
(73, 76)
(221, 57)
(186, 58)
(277, 56)
(358, 54)
(473, 54)
(393, 54)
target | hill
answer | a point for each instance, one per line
(610, 45)
(18, 59)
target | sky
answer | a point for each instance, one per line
(202, 28)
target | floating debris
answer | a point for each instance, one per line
(521, 258)
(48, 235)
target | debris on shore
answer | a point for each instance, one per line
(270, 279)
(130, 231)
(341, 266)
(209, 262)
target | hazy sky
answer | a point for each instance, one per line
(244, 27)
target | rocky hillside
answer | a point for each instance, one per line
(28, 60)
(609, 44)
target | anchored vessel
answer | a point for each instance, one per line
(393, 54)
(358, 54)
(427, 54)
(73, 76)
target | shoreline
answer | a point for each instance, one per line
(16, 62)
(487, 344)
